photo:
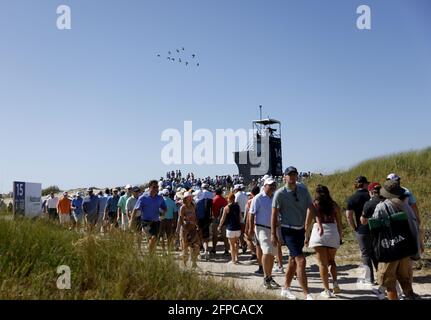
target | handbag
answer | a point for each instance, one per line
(392, 238)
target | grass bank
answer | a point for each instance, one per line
(101, 268)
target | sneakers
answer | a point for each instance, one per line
(207, 256)
(309, 297)
(269, 283)
(286, 293)
(278, 269)
(380, 293)
(326, 294)
(259, 271)
(226, 253)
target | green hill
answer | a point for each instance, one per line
(412, 167)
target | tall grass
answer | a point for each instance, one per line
(412, 167)
(101, 268)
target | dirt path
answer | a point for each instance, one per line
(243, 276)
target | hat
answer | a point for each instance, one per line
(79, 194)
(374, 186)
(90, 189)
(361, 179)
(290, 170)
(266, 176)
(136, 189)
(165, 192)
(394, 177)
(392, 189)
(204, 185)
(187, 194)
(129, 186)
(269, 181)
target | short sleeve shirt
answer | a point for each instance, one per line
(150, 207)
(292, 205)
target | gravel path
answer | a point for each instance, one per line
(244, 277)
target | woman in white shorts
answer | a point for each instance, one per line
(232, 219)
(325, 237)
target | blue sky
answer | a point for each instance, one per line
(87, 106)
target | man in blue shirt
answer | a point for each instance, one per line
(167, 224)
(77, 213)
(90, 206)
(152, 206)
(110, 216)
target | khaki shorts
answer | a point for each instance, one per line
(263, 235)
(389, 272)
(64, 218)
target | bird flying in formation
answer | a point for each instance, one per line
(187, 63)
(193, 56)
(169, 52)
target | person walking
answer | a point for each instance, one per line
(77, 211)
(167, 224)
(90, 207)
(400, 269)
(51, 206)
(355, 208)
(241, 198)
(291, 203)
(219, 202)
(189, 230)
(122, 216)
(152, 207)
(261, 214)
(326, 237)
(64, 209)
(111, 215)
(232, 217)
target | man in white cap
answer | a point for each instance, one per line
(241, 198)
(77, 211)
(261, 213)
(122, 213)
(411, 197)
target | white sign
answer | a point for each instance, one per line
(27, 199)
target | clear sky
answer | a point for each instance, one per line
(87, 106)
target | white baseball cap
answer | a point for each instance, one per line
(269, 181)
(165, 192)
(129, 186)
(393, 176)
(187, 194)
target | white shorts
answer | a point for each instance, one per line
(264, 237)
(233, 234)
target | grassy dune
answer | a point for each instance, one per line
(415, 171)
(107, 268)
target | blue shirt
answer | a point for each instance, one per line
(112, 203)
(261, 208)
(150, 206)
(90, 204)
(412, 198)
(200, 209)
(77, 203)
(103, 200)
(171, 208)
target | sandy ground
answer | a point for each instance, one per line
(348, 274)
